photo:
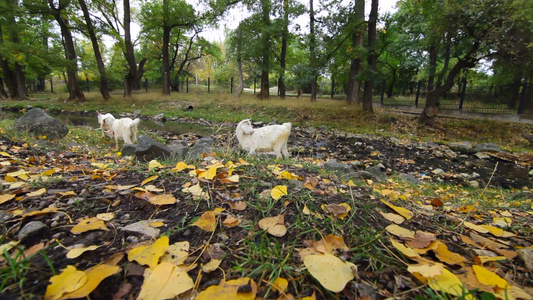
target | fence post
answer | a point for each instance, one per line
(231, 89)
(255, 81)
(146, 84)
(382, 91)
(51, 85)
(522, 102)
(463, 93)
(332, 87)
(187, 85)
(418, 92)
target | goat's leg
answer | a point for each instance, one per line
(277, 151)
(285, 151)
(116, 146)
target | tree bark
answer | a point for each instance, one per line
(372, 58)
(240, 86)
(3, 93)
(358, 38)
(265, 67)
(70, 53)
(166, 61)
(104, 89)
(131, 79)
(283, 55)
(432, 103)
(432, 67)
(312, 52)
(15, 78)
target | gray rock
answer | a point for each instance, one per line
(160, 117)
(462, 147)
(148, 149)
(142, 229)
(4, 217)
(410, 178)
(473, 184)
(364, 175)
(33, 230)
(438, 171)
(482, 155)
(203, 145)
(334, 165)
(526, 254)
(179, 149)
(39, 123)
(128, 150)
(376, 173)
(487, 147)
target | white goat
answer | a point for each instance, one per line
(125, 129)
(264, 139)
(106, 121)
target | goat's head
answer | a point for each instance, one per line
(246, 126)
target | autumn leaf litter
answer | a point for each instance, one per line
(229, 225)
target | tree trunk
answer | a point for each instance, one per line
(104, 89)
(166, 62)
(70, 53)
(312, 52)
(15, 79)
(432, 103)
(372, 58)
(432, 67)
(358, 38)
(283, 55)
(240, 86)
(265, 67)
(515, 90)
(3, 93)
(446, 61)
(391, 85)
(131, 79)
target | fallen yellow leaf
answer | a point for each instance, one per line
(400, 231)
(180, 166)
(207, 221)
(428, 270)
(211, 265)
(165, 281)
(94, 276)
(449, 283)
(162, 199)
(176, 253)
(106, 216)
(88, 225)
(149, 255)
(274, 225)
(330, 271)
(154, 164)
(278, 191)
(6, 197)
(230, 290)
(36, 193)
(151, 178)
(69, 280)
(407, 214)
(73, 253)
(489, 278)
(280, 285)
(405, 250)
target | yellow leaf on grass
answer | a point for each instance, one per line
(428, 270)
(230, 290)
(36, 193)
(394, 218)
(48, 210)
(165, 281)
(475, 227)
(480, 260)
(405, 250)
(196, 191)
(502, 222)
(400, 231)
(88, 224)
(156, 224)
(151, 178)
(489, 278)
(449, 283)
(154, 164)
(6, 197)
(330, 271)
(48, 172)
(329, 243)
(210, 173)
(5, 154)
(69, 280)
(106, 216)
(207, 221)
(445, 255)
(180, 166)
(73, 253)
(407, 214)
(231, 221)
(94, 276)
(278, 191)
(274, 225)
(162, 199)
(176, 253)
(280, 285)
(338, 210)
(498, 231)
(288, 175)
(152, 188)
(149, 255)
(211, 265)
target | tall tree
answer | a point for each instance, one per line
(131, 80)
(353, 88)
(104, 89)
(266, 6)
(313, 60)
(283, 55)
(372, 58)
(240, 85)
